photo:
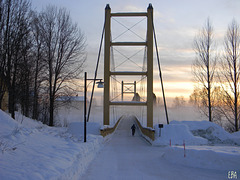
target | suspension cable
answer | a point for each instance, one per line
(128, 58)
(160, 73)
(113, 84)
(128, 29)
(95, 76)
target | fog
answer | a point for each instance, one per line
(68, 114)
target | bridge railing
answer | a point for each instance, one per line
(148, 133)
(108, 130)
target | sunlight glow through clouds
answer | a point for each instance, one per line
(176, 24)
(173, 89)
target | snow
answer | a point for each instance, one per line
(194, 133)
(213, 158)
(127, 157)
(7, 124)
(31, 150)
(236, 134)
(35, 151)
(75, 128)
(71, 98)
(177, 133)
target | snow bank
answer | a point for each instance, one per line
(77, 128)
(194, 133)
(36, 151)
(208, 157)
(236, 134)
(28, 122)
(176, 133)
(7, 124)
(214, 133)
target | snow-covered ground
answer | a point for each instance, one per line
(127, 157)
(31, 150)
(194, 133)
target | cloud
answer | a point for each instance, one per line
(133, 8)
(175, 89)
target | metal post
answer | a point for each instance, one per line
(85, 107)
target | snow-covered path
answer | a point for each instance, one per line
(126, 157)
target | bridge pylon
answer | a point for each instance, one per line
(148, 73)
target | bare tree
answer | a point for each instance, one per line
(25, 71)
(2, 62)
(179, 101)
(194, 98)
(64, 46)
(199, 99)
(204, 66)
(14, 29)
(229, 74)
(38, 65)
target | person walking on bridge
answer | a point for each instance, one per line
(133, 129)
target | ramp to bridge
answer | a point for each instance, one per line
(124, 127)
(120, 156)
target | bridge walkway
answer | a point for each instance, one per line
(122, 155)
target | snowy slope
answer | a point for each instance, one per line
(36, 151)
(32, 150)
(194, 133)
(221, 158)
(176, 134)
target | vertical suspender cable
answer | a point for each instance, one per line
(160, 74)
(95, 76)
(112, 83)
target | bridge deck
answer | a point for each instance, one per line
(120, 155)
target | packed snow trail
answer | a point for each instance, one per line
(126, 157)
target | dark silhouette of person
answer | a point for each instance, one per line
(133, 129)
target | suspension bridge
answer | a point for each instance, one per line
(127, 81)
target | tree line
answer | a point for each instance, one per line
(41, 57)
(218, 75)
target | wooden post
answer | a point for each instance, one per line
(149, 66)
(107, 64)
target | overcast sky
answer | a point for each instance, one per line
(176, 23)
